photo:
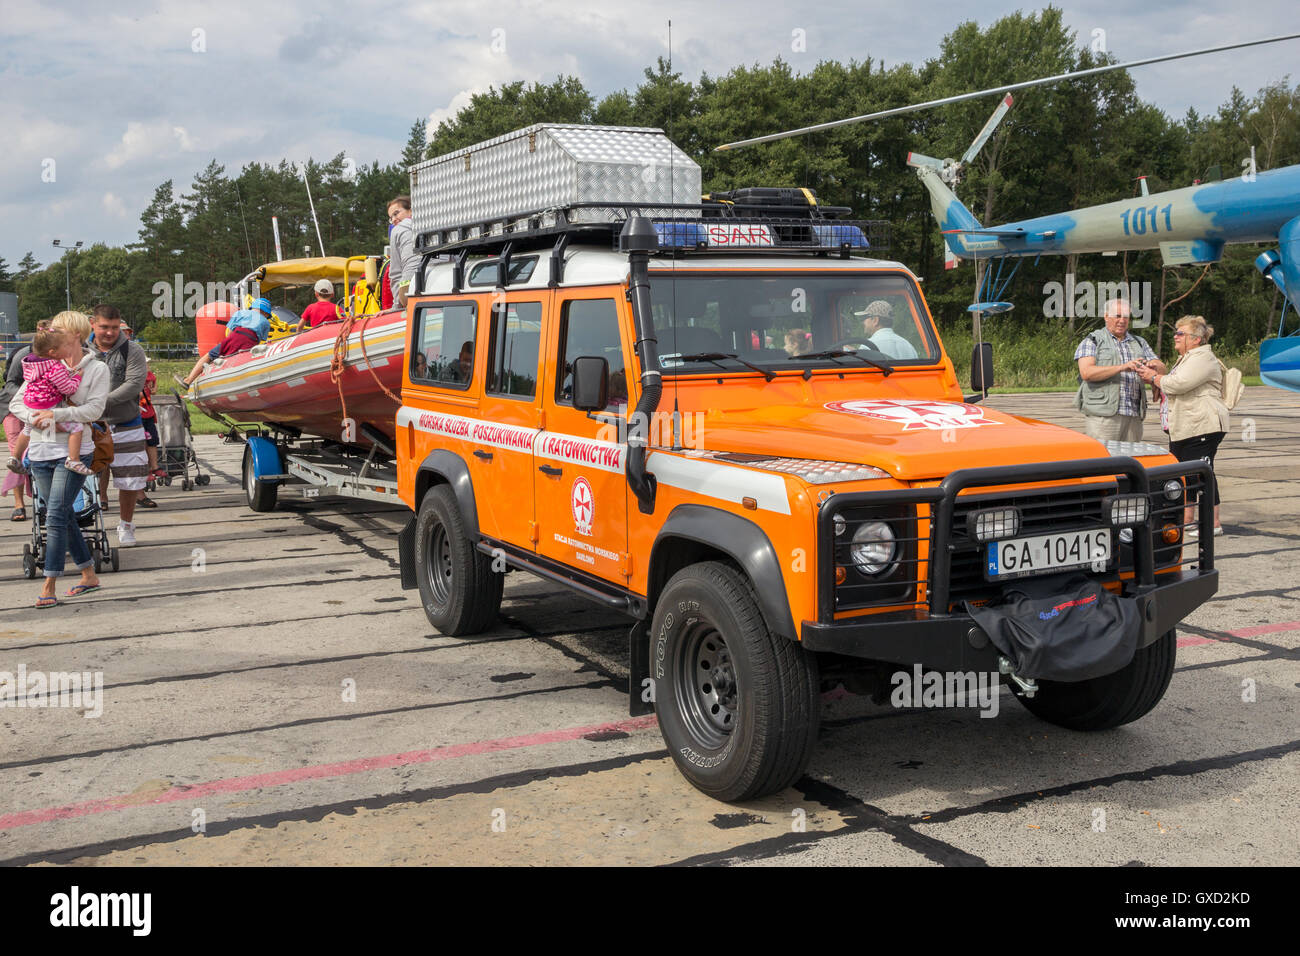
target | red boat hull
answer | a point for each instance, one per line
(288, 381)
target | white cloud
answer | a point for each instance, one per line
(114, 206)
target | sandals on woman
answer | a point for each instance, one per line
(20, 514)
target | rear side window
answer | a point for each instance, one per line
(444, 344)
(590, 327)
(515, 346)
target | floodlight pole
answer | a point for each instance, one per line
(67, 270)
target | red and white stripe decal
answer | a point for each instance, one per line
(601, 455)
(475, 430)
(709, 478)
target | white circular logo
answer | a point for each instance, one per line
(583, 505)
(912, 415)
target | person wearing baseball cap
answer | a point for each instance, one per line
(246, 328)
(878, 327)
(323, 309)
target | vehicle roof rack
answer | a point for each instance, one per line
(717, 227)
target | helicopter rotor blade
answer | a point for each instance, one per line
(1011, 87)
(987, 131)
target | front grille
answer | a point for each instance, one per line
(953, 573)
(1041, 512)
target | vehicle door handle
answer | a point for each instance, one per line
(548, 470)
(484, 455)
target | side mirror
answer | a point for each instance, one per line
(981, 367)
(590, 383)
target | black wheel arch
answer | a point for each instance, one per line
(446, 467)
(440, 467)
(694, 533)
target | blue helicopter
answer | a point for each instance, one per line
(1189, 225)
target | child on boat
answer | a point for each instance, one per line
(246, 328)
(50, 376)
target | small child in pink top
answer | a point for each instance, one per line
(50, 377)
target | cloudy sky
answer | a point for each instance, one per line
(101, 102)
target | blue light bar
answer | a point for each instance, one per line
(840, 234)
(681, 235)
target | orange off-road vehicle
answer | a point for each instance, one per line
(694, 418)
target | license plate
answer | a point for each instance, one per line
(1041, 553)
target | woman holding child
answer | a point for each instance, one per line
(57, 475)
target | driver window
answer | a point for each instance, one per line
(590, 327)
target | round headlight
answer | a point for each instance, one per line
(1173, 489)
(873, 548)
(839, 525)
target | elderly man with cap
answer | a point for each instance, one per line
(246, 328)
(323, 309)
(878, 327)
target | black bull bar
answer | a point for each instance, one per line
(951, 640)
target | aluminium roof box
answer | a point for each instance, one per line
(547, 166)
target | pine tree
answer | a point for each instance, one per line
(27, 266)
(415, 143)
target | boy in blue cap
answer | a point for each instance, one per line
(246, 328)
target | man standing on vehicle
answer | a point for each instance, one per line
(1112, 397)
(878, 327)
(401, 257)
(127, 369)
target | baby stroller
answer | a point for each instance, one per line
(175, 443)
(90, 520)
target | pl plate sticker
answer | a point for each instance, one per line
(583, 504)
(913, 415)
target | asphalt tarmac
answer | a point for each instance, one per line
(271, 696)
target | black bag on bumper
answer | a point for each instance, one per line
(1064, 627)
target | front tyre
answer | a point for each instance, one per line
(460, 591)
(1113, 699)
(738, 705)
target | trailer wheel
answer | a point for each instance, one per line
(202, 479)
(260, 494)
(738, 705)
(29, 561)
(460, 591)
(1112, 700)
(112, 558)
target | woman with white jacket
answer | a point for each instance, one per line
(1198, 419)
(59, 486)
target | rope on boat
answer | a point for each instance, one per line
(338, 363)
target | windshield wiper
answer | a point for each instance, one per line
(714, 356)
(842, 353)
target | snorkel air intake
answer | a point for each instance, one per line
(638, 239)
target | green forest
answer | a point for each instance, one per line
(1072, 144)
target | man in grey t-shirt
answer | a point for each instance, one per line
(402, 260)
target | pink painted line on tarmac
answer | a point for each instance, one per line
(1266, 629)
(1253, 631)
(281, 777)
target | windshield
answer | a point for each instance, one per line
(787, 321)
